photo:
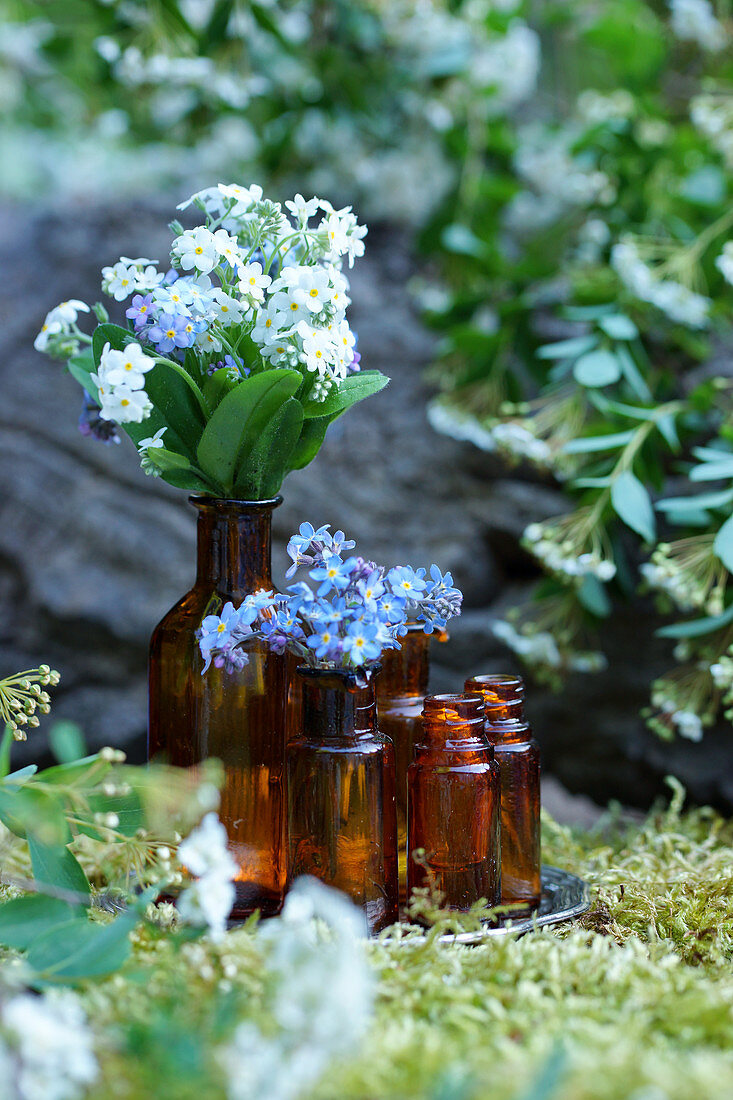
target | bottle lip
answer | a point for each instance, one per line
(221, 504)
(454, 709)
(497, 688)
(341, 679)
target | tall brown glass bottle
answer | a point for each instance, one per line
(238, 717)
(401, 690)
(518, 756)
(342, 827)
(453, 803)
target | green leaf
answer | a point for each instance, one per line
(723, 544)
(588, 443)
(192, 481)
(462, 241)
(80, 367)
(597, 368)
(5, 747)
(128, 808)
(33, 814)
(67, 741)
(619, 327)
(696, 627)
(713, 471)
(593, 596)
(692, 504)
(239, 420)
(668, 429)
(218, 386)
(354, 388)
(24, 919)
(178, 407)
(632, 374)
(76, 770)
(706, 186)
(631, 501)
(77, 950)
(592, 482)
(310, 441)
(262, 474)
(114, 335)
(55, 865)
(567, 349)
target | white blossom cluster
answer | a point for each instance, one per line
(678, 302)
(320, 993)
(508, 64)
(48, 1049)
(674, 715)
(518, 441)
(120, 384)
(277, 277)
(695, 21)
(209, 899)
(459, 425)
(539, 649)
(724, 262)
(712, 115)
(556, 179)
(58, 332)
(550, 544)
(689, 573)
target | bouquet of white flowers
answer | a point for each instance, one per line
(236, 359)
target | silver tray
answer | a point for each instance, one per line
(564, 896)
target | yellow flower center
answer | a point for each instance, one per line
(171, 333)
(198, 250)
(221, 628)
(124, 402)
(314, 293)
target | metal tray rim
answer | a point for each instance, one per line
(558, 887)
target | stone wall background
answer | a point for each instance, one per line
(92, 553)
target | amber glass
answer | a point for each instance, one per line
(342, 827)
(518, 756)
(237, 717)
(401, 690)
(453, 804)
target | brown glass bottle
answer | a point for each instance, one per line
(401, 690)
(237, 717)
(453, 804)
(342, 827)
(518, 757)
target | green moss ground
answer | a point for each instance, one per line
(634, 1001)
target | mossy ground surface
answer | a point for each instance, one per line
(634, 1001)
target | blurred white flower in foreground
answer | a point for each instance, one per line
(694, 21)
(320, 995)
(50, 1056)
(210, 898)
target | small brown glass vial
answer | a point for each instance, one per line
(518, 757)
(453, 804)
(342, 824)
(401, 690)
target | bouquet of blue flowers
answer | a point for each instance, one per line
(356, 609)
(235, 355)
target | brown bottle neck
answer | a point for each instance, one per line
(454, 723)
(234, 544)
(507, 731)
(406, 671)
(334, 707)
